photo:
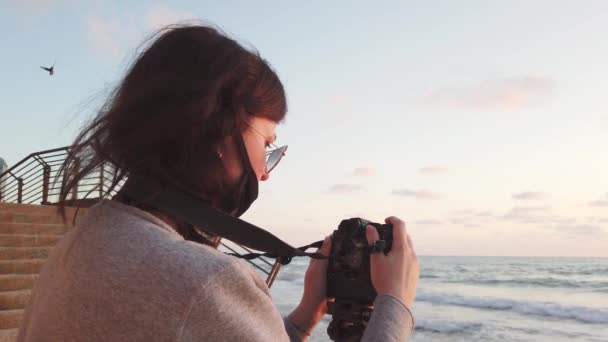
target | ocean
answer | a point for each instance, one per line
(492, 299)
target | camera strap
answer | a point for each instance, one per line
(187, 207)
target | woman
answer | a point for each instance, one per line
(198, 111)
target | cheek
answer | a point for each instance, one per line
(260, 165)
(257, 159)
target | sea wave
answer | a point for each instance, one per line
(542, 309)
(446, 327)
(429, 276)
(538, 282)
(543, 331)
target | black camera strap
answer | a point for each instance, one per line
(195, 211)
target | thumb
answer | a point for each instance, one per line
(372, 234)
(326, 247)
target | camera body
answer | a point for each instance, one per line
(349, 280)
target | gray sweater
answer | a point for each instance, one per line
(124, 275)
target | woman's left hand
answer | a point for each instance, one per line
(313, 305)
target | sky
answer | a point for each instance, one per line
(480, 123)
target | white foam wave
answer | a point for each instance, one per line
(446, 327)
(544, 309)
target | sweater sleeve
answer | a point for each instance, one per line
(233, 307)
(390, 321)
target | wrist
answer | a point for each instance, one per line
(400, 297)
(307, 315)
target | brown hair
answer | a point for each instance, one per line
(183, 95)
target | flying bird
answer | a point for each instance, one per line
(51, 70)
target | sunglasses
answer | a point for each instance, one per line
(273, 157)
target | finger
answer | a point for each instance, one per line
(399, 231)
(410, 243)
(326, 247)
(371, 233)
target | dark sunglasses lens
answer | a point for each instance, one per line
(274, 158)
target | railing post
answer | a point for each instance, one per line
(19, 189)
(76, 169)
(101, 181)
(46, 178)
(273, 272)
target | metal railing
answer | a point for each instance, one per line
(31, 181)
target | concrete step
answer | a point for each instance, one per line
(32, 228)
(8, 335)
(19, 240)
(36, 209)
(48, 218)
(32, 266)
(15, 282)
(10, 300)
(11, 319)
(18, 253)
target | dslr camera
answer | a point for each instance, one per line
(349, 285)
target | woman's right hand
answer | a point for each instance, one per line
(397, 272)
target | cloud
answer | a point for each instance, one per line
(353, 214)
(364, 172)
(344, 188)
(427, 222)
(527, 210)
(598, 219)
(463, 212)
(35, 6)
(599, 203)
(110, 35)
(418, 194)
(159, 16)
(485, 214)
(512, 93)
(460, 220)
(579, 230)
(530, 195)
(37, 3)
(471, 218)
(563, 220)
(433, 169)
(341, 101)
(473, 214)
(103, 36)
(531, 214)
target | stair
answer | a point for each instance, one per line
(28, 234)
(10, 319)
(12, 253)
(8, 335)
(13, 282)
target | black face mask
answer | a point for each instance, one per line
(240, 198)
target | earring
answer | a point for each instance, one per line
(219, 154)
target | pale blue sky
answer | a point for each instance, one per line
(482, 124)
